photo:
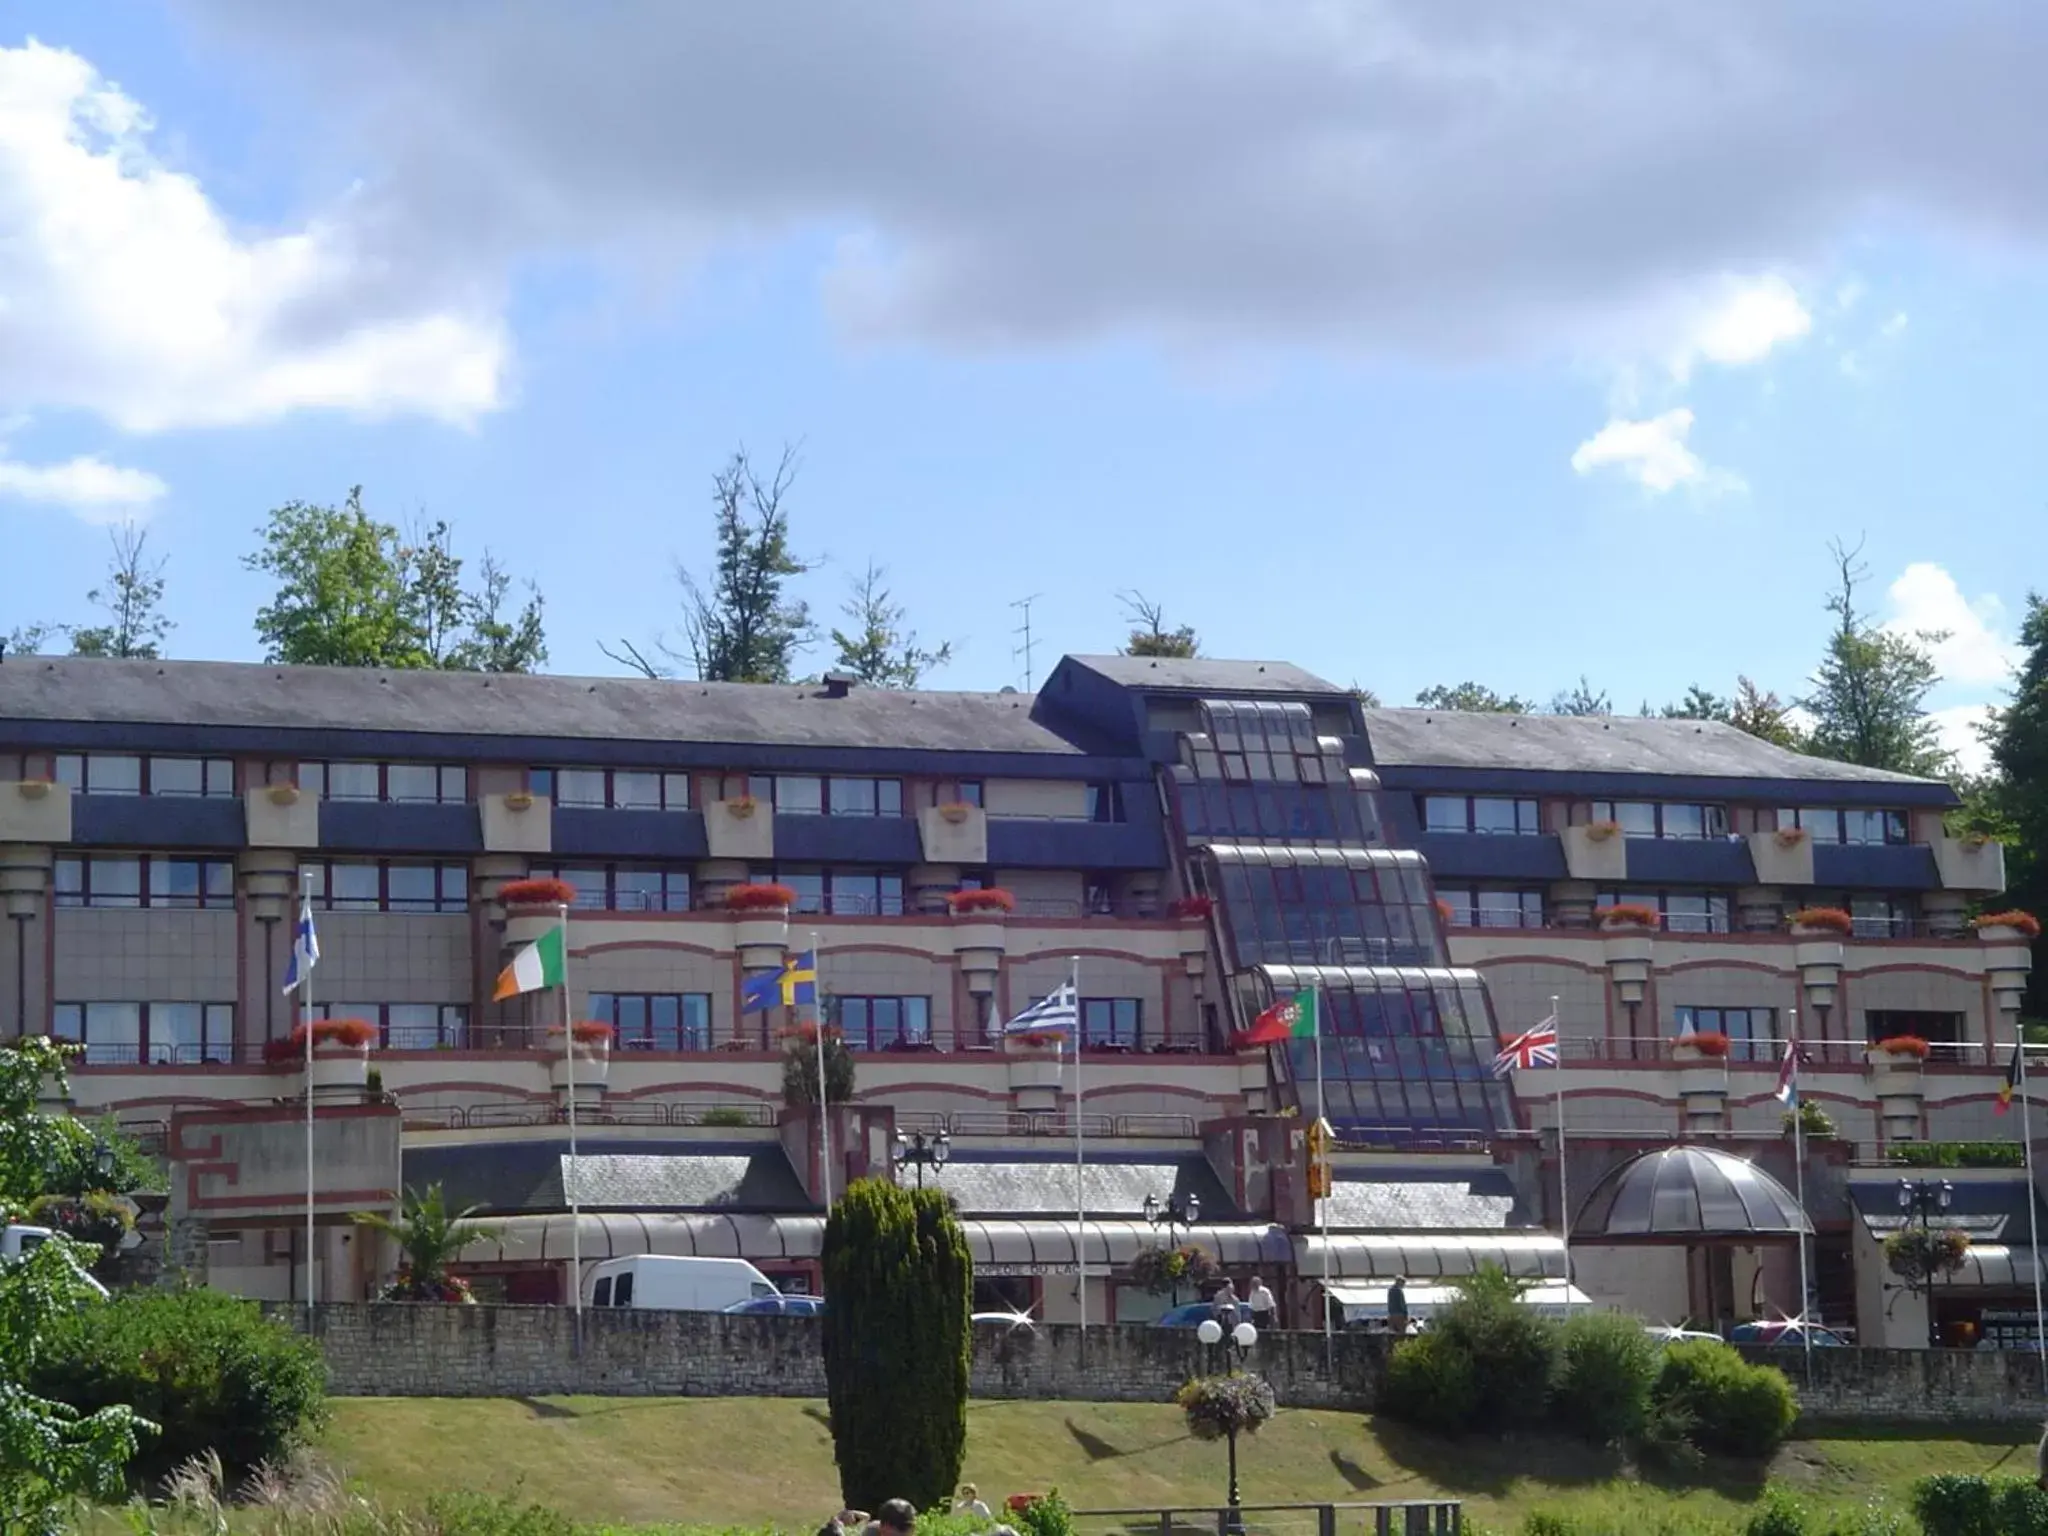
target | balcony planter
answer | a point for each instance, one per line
(519, 800)
(2012, 927)
(543, 893)
(1191, 909)
(592, 1048)
(341, 1058)
(1701, 1045)
(1602, 831)
(33, 789)
(762, 897)
(283, 794)
(741, 807)
(1789, 837)
(955, 811)
(1821, 923)
(1901, 1053)
(1627, 917)
(988, 902)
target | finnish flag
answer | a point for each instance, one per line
(305, 947)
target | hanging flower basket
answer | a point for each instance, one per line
(1823, 920)
(955, 811)
(1190, 908)
(1789, 837)
(763, 897)
(2025, 924)
(1601, 831)
(1628, 914)
(982, 902)
(1904, 1047)
(1918, 1256)
(1217, 1406)
(539, 892)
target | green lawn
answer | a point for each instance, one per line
(765, 1461)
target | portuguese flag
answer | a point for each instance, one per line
(1291, 1018)
(540, 964)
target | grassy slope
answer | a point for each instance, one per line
(753, 1461)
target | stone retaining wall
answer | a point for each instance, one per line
(405, 1350)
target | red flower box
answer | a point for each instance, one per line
(989, 899)
(541, 892)
(1707, 1042)
(1628, 914)
(352, 1034)
(2028, 925)
(1833, 919)
(1904, 1045)
(1191, 907)
(763, 897)
(588, 1032)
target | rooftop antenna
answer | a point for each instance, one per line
(1023, 630)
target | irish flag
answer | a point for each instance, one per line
(1291, 1018)
(538, 965)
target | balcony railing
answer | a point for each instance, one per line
(829, 905)
(1866, 929)
(1055, 1127)
(1640, 1050)
(740, 1115)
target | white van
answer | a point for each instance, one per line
(665, 1284)
(18, 1241)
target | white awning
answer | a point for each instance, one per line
(1370, 1301)
(998, 1246)
(1431, 1255)
(1994, 1266)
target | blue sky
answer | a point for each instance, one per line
(1407, 349)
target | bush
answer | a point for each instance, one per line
(478, 1514)
(1734, 1407)
(1778, 1514)
(1513, 1350)
(1430, 1384)
(896, 1343)
(1953, 1504)
(1606, 1366)
(1049, 1516)
(210, 1369)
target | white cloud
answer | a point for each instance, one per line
(1925, 597)
(1653, 453)
(87, 486)
(125, 292)
(1958, 728)
(1742, 324)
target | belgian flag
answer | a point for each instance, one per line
(2013, 1072)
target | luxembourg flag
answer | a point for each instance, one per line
(1788, 1076)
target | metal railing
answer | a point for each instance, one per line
(502, 1116)
(1421, 1517)
(1640, 1050)
(996, 1122)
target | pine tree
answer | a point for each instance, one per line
(896, 1343)
(878, 651)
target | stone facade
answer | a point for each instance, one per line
(399, 1350)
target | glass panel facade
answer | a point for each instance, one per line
(1310, 895)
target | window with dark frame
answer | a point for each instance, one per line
(1112, 1023)
(1936, 1027)
(126, 773)
(152, 1034)
(655, 1021)
(1752, 1032)
(612, 789)
(175, 881)
(394, 783)
(843, 891)
(1493, 906)
(623, 887)
(1680, 911)
(386, 885)
(1496, 815)
(869, 1023)
(1684, 820)
(1858, 827)
(407, 1026)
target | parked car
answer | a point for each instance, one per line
(1785, 1333)
(18, 1241)
(779, 1306)
(1666, 1335)
(661, 1283)
(1191, 1315)
(1004, 1320)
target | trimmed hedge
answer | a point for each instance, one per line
(1730, 1405)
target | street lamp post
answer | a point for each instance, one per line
(922, 1150)
(1923, 1198)
(1237, 1348)
(1179, 1213)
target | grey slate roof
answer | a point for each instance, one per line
(223, 693)
(1439, 738)
(527, 1176)
(1205, 674)
(1406, 1202)
(1045, 1187)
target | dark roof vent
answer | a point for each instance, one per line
(838, 684)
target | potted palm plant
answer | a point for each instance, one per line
(430, 1238)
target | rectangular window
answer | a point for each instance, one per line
(968, 791)
(656, 1021)
(1498, 815)
(1826, 824)
(1936, 1028)
(1681, 911)
(853, 797)
(99, 773)
(354, 781)
(1106, 801)
(799, 795)
(883, 1023)
(1646, 818)
(372, 885)
(407, 1026)
(857, 893)
(1492, 906)
(177, 882)
(1752, 1032)
(119, 1034)
(583, 788)
(616, 789)
(353, 887)
(1111, 1023)
(1880, 917)
(191, 776)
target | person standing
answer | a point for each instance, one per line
(1262, 1305)
(1225, 1302)
(969, 1503)
(1397, 1307)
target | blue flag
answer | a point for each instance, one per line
(794, 986)
(305, 947)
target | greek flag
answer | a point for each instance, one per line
(1058, 1014)
(305, 948)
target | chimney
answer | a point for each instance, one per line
(838, 685)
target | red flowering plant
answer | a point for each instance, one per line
(2024, 923)
(759, 896)
(1191, 907)
(348, 1034)
(988, 899)
(587, 1032)
(1830, 919)
(541, 891)
(1629, 914)
(1904, 1045)
(1707, 1042)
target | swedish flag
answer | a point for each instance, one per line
(794, 986)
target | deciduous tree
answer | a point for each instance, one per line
(1870, 691)
(133, 599)
(1149, 634)
(1472, 698)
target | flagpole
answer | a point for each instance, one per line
(306, 1024)
(1080, 1154)
(1564, 1201)
(569, 1077)
(824, 1103)
(2033, 1221)
(1323, 1204)
(1799, 1192)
